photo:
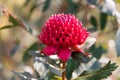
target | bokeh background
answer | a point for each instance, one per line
(16, 41)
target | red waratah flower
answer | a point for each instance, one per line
(62, 33)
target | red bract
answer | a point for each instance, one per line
(61, 33)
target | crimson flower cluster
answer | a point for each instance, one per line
(61, 34)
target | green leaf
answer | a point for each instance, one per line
(93, 21)
(6, 27)
(13, 20)
(26, 56)
(103, 20)
(99, 74)
(47, 5)
(70, 68)
(80, 57)
(97, 51)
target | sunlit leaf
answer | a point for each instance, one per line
(53, 77)
(99, 74)
(28, 28)
(46, 5)
(43, 68)
(89, 42)
(55, 70)
(40, 65)
(27, 74)
(26, 56)
(109, 7)
(24, 75)
(92, 64)
(58, 78)
(117, 42)
(103, 20)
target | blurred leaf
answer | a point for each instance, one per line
(70, 68)
(6, 27)
(55, 70)
(93, 29)
(97, 51)
(26, 56)
(33, 8)
(34, 53)
(13, 78)
(14, 49)
(28, 28)
(92, 1)
(26, 2)
(93, 21)
(27, 74)
(52, 76)
(109, 7)
(118, 1)
(13, 20)
(117, 42)
(46, 5)
(72, 7)
(80, 57)
(40, 65)
(19, 75)
(43, 68)
(103, 20)
(24, 75)
(99, 74)
(89, 42)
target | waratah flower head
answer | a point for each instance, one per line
(61, 33)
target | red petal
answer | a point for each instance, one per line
(49, 50)
(64, 54)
